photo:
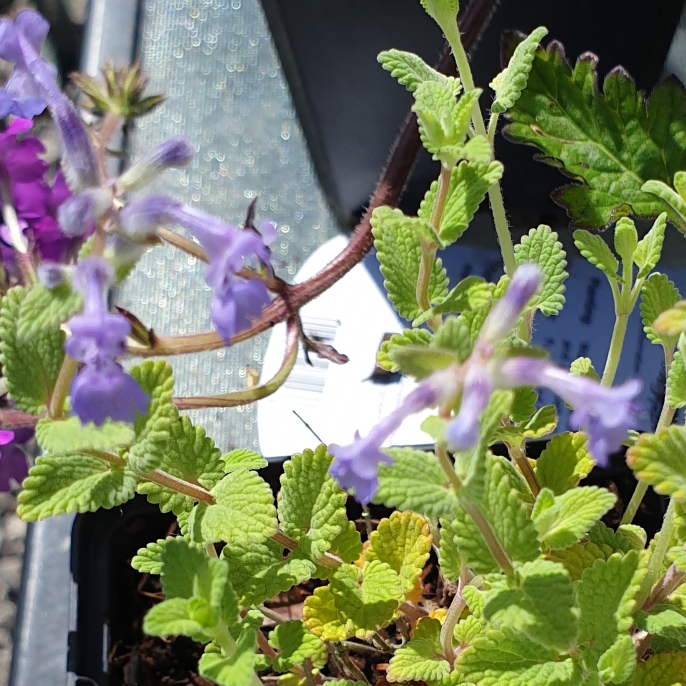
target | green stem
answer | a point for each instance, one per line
(452, 617)
(424, 276)
(616, 344)
(492, 127)
(518, 454)
(225, 641)
(61, 390)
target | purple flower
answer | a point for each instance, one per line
(13, 464)
(32, 85)
(463, 432)
(237, 305)
(76, 216)
(102, 389)
(355, 466)
(173, 153)
(19, 159)
(604, 414)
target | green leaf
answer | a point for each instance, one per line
(583, 366)
(626, 239)
(148, 560)
(242, 459)
(564, 462)
(30, 367)
(507, 516)
(71, 435)
(659, 461)
(677, 556)
(411, 70)
(172, 617)
(596, 251)
(152, 430)
(618, 662)
(541, 247)
(422, 361)
(400, 488)
(504, 658)
(453, 335)
(562, 520)
(311, 505)
(409, 337)
(636, 536)
(294, 644)
(605, 595)
(664, 620)
(355, 603)
(666, 669)
(243, 512)
(399, 254)
(538, 601)
(62, 484)
(470, 294)
(469, 183)
(509, 84)
(676, 382)
(188, 455)
(541, 424)
(612, 143)
(604, 536)
(658, 295)
(180, 567)
(420, 659)
(403, 542)
(44, 309)
(668, 196)
(649, 248)
(580, 556)
(523, 404)
(441, 11)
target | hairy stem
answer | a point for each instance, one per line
(452, 617)
(61, 390)
(671, 580)
(518, 454)
(615, 352)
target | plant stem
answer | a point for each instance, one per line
(616, 344)
(452, 617)
(492, 127)
(61, 390)
(270, 614)
(671, 580)
(359, 647)
(179, 486)
(518, 454)
(182, 243)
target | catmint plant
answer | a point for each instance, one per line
(536, 588)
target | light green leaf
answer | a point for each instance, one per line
(668, 196)
(44, 309)
(148, 560)
(541, 424)
(510, 83)
(311, 505)
(243, 512)
(403, 542)
(62, 484)
(409, 337)
(188, 455)
(153, 429)
(523, 404)
(172, 617)
(347, 545)
(677, 556)
(672, 322)
(538, 601)
(470, 294)
(658, 295)
(665, 669)
(676, 382)
(399, 486)
(477, 149)
(454, 335)
(399, 254)
(70, 435)
(30, 367)
(441, 11)
(420, 659)
(636, 536)
(626, 239)
(242, 459)
(469, 183)
(605, 595)
(611, 143)
(411, 70)
(564, 462)
(541, 247)
(618, 662)
(564, 519)
(664, 620)
(580, 556)
(618, 541)
(649, 248)
(659, 461)
(294, 644)
(180, 567)
(583, 366)
(507, 516)
(596, 251)
(422, 361)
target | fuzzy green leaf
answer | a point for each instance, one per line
(422, 361)
(409, 337)
(649, 248)
(411, 70)
(469, 183)
(441, 11)
(71, 435)
(626, 239)
(665, 669)
(509, 84)
(399, 254)
(188, 455)
(538, 601)
(311, 505)
(580, 556)
(509, 520)
(294, 644)
(659, 461)
(181, 566)
(420, 659)
(62, 484)
(399, 486)
(583, 366)
(562, 520)
(242, 459)
(403, 542)
(664, 620)
(153, 429)
(597, 252)
(541, 424)
(30, 367)
(676, 382)
(618, 662)
(541, 247)
(454, 335)
(44, 309)
(658, 295)
(435, 106)
(605, 595)
(523, 404)
(677, 556)
(470, 294)
(564, 462)
(612, 143)
(172, 617)
(148, 560)
(244, 510)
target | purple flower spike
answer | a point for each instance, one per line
(102, 389)
(504, 315)
(604, 414)
(174, 153)
(32, 85)
(355, 466)
(463, 432)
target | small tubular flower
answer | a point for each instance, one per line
(604, 414)
(102, 389)
(173, 153)
(77, 215)
(463, 432)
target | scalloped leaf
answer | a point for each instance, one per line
(583, 366)
(665, 669)
(410, 70)
(649, 248)
(69, 435)
(45, 309)
(664, 620)
(676, 382)
(658, 295)
(148, 560)
(242, 459)
(564, 462)
(409, 337)
(294, 644)
(618, 662)
(421, 658)
(597, 252)
(580, 556)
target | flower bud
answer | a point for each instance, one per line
(174, 153)
(77, 215)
